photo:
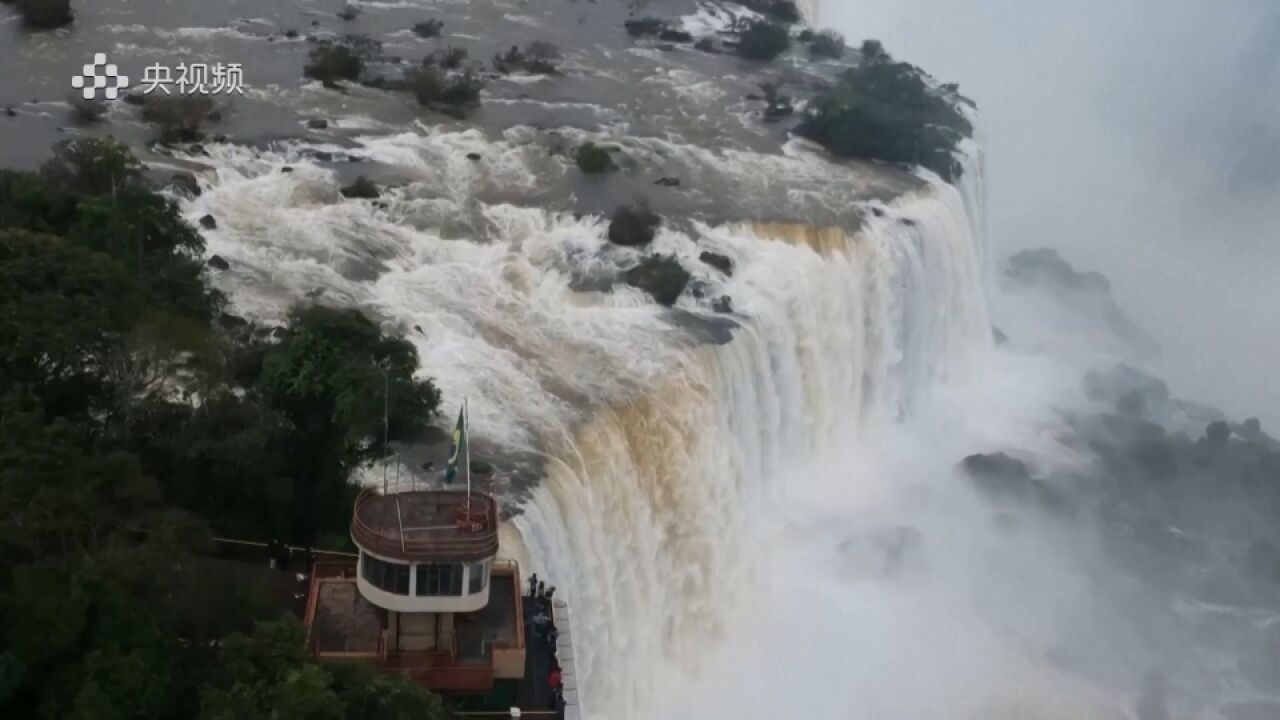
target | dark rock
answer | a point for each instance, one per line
(349, 13)
(675, 36)
(667, 182)
(907, 221)
(218, 263)
(229, 321)
(208, 222)
(323, 156)
(363, 188)
(318, 124)
(634, 225)
(717, 261)
(723, 305)
(1000, 477)
(1218, 432)
(645, 27)
(592, 159)
(279, 333)
(185, 182)
(1113, 385)
(662, 276)
(708, 45)
(286, 169)
(996, 465)
(1045, 265)
(475, 157)
(135, 99)
(198, 149)
(10, 112)
(428, 28)
(291, 34)
(998, 336)
(878, 212)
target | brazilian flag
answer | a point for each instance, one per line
(458, 449)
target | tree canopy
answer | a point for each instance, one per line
(132, 427)
(885, 110)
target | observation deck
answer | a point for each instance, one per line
(426, 526)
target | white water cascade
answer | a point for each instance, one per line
(665, 460)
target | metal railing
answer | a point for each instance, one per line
(449, 542)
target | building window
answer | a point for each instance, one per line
(477, 577)
(439, 580)
(386, 576)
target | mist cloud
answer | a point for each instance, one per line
(1141, 139)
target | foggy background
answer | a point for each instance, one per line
(1141, 139)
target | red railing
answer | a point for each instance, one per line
(472, 536)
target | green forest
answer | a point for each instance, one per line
(138, 420)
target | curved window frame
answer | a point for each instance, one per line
(387, 576)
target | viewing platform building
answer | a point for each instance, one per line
(427, 596)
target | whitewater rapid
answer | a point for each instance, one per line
(665, 459)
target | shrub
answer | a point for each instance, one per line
(179, 118)
(331, 62)
(827, 44)
(87, 112)
(593, 159)
(885, 111)
(433, 88)
(784, 11)
(450, 58)
(429, 28)
(873, 51)
(763, 40)
(538, 57)
(45, 14)
(634, 224)
(91, 166)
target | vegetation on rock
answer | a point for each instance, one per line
(446, 92)
(363, 188)
(784, 11)
(593, 159)
(884, 110)
(332, 62)
(645, 27)
(429, 28)
(538, 57)
(44, 14)
(662, 276)
(826, 45)
(87, 112)
(634, 224)
(179, 118)
(763, 40)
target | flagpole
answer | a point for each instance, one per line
(466, 432)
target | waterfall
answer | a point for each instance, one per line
(648, 509)
(662, 455)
